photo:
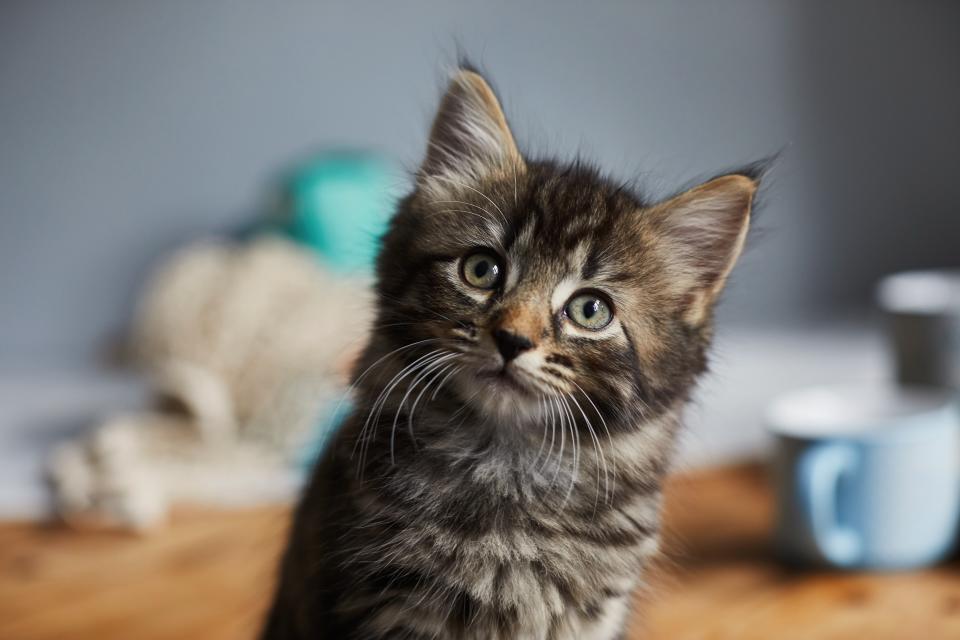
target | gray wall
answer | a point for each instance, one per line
(128, 127)
(882, 107)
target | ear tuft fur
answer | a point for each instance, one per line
(470, 136)
(701, 233)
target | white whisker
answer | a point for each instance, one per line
(425, 371)
(598, 450)
(480, 193)
(575, 445)
(363, 375)
(442, 382)
(563, 438)
(605, 427)
(374, 415)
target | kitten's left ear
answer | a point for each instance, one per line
(701, 233)
(470, 136)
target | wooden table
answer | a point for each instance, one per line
(207, 577)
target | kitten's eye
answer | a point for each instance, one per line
(589, 310)
(481, 269)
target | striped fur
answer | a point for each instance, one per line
(470, 497)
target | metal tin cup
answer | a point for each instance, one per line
(923, 317)
(867, 477)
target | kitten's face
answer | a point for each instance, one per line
(547, 291)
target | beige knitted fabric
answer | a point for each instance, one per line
(246, 347)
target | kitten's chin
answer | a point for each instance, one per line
(500, 395)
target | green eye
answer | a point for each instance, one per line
(481, 269)
(589, 310)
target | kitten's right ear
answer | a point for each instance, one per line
(701, 233)
(470, 136)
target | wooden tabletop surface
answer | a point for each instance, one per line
(208, 575)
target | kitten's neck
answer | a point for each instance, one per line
(539, 462)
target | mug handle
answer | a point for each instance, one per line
(821, 468)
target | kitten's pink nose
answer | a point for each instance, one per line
(510, 344)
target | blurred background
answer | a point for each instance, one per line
(130, 127)
(130, 130)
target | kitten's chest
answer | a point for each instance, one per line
(533, 577)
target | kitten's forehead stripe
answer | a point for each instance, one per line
(562, 292)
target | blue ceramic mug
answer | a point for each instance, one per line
(866, 477)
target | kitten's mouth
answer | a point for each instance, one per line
(505, 378)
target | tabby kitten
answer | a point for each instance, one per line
(539, 331)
